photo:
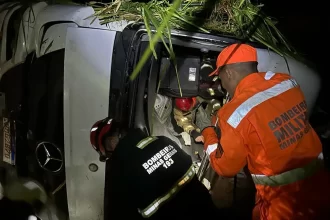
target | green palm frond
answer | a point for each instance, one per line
(159, 35)
(229, 17)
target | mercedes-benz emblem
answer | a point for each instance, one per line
(49, 157)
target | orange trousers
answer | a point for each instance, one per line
(305, 199)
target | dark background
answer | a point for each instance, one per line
(305, 25)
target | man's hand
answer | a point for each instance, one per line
(197, 136)
(199, 139)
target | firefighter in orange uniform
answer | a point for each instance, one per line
(265, 127)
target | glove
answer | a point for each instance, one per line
(203, 120)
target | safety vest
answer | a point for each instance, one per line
(157, 203)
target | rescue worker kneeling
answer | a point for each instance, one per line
(151, 177)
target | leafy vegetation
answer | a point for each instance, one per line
(238, 18)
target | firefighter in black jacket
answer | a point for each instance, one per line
(148, 177)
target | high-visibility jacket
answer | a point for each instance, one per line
(265, 126)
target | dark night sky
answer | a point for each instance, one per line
(305, 26)
(300, 23)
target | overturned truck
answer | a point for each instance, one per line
(67, 72)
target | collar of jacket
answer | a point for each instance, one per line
(248, 81)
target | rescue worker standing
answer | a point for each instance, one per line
(265, 126)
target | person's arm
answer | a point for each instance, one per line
(233, 153)
(210, 139)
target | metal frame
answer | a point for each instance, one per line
(87, 68)
(25, 38)
(60, 14)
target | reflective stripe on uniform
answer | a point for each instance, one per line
(216, 122)
(290, 176)
(144, 142)
(155, 205)
(241, 111)
(269, 75)
(211, 148)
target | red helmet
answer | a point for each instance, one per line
(185, 104)
(98, 132)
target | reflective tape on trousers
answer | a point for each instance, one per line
(290, 176)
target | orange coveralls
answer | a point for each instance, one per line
(265, 126)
